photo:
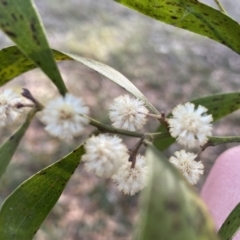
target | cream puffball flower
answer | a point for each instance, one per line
(190, 168)
(104, 155)
(131, 180)
(189, 125)
(8, 106)
(128, 113)
(63, 116)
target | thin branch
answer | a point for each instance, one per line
(214, 141)
(105, 128)
(108, 129)
(22, 105)
(161, 118)
(132, 157)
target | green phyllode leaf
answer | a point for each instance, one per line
(26, 208)
(20, 21)
(113, 75)
(230, 225)
(9, 147)
(13, 63)
(191, 15)
(170, 207)
(219, 105)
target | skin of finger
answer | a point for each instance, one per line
(221, 191)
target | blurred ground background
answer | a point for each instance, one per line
(167, 64)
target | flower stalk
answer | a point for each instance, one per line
(108, 129)
(27, 94)
(132, 157)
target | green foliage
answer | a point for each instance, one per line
(25, 209)
(191, 15)
(230, 225)
(15, 63)
(20, 21)
(9, 147)
(219, 105)
(170, 207)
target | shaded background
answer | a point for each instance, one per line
(167, 64)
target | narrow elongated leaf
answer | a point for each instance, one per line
(191, 15)
(26, 208)
(219, 105)
(230, 225)
(115, 76)
(9, 147)
(20, 21)
(14, 63)
(170, 207)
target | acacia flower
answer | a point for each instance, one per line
(189, 125)
(104, 154)
(128, 113)
(8, 106)
(63, 116)
(131, 180)
(190, 168)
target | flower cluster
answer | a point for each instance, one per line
(131, 180)
(128, 113)
(104, 155)
(190, 126)
(9, 110)
(190, 168)
(64, 118)
(107, 156)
